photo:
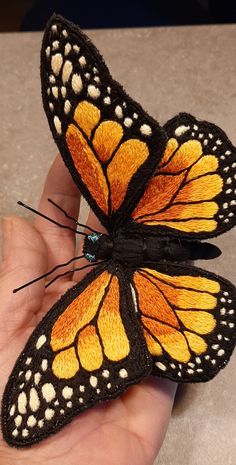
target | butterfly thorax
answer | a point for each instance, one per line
(135, 249)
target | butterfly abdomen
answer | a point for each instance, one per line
(136, 249)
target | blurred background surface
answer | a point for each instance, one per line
(32, 15)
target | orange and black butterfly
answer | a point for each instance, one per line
(158, 192)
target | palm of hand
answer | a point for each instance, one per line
(127, 430)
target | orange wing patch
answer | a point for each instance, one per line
(105, 163)
(176, 312)
(182, 193)
(90, 328)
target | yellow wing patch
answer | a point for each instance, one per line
(182, 193)
(105, 164)
(89, 329)
(176, 312)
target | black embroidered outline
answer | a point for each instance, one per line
(138, 358)
(172, 269)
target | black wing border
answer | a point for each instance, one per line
(229, 345)
(138, 357)
(158, 139)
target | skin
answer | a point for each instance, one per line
(128, 430)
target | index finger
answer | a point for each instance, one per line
(59, 187)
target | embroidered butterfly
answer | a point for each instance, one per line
(158, 192)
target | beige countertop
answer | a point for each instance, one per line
(167, 70)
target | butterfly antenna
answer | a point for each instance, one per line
(72, 271)
(71, 217)
(46, 274)
(50, 219)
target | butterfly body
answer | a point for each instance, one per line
(158, 192)
(134, 250)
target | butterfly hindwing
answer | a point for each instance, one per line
(193, 190)
(110, 145)
(190, 330)
(88, 348)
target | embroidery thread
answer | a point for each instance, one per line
(158, 192)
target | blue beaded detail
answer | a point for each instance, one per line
(93, 237)
(90, 257)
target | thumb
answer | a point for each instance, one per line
(24, 257)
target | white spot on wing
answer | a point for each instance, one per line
(48, 392)
(67, 392)
(181, 130)
(31, 421)
(55, 45)
(47, 51)
(67, 49)
(128, 122)
(119, 111)
(76, 83)
(134, 298)
(37, 378)
(67, 107)
(41, 340)
(12, 410)
(93, 381)
(76, 48)
(82, 61)
(123, 373)
(49, 413)
(63, 91)
(66, 71)
(34, 400)
(56, 63)
(93, 91)
(18, 420)
(28, 375)
(161, 366)
(57, 124)
(107, 100)
(220, 352)
(55, 91)
(145, 130)
(22, 402)
(52, 79)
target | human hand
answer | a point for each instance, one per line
(124, 431)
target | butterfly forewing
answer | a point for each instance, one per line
(89, 348)
(110, 145)
(193, 191)
(188, 320)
